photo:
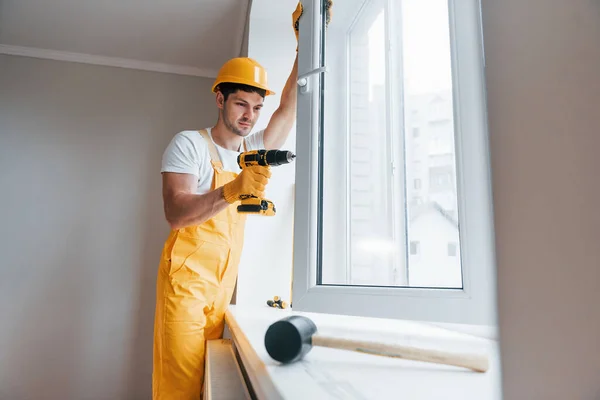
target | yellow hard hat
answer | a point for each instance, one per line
(243, 70)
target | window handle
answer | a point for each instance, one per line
(303, 79)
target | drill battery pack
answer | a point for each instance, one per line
(254, 205)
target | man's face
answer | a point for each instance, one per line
(241, 111)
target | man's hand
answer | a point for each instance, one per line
(251, 181)
(328, 13)
(296, 19)
(297, 14)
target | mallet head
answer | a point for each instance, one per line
(290, 339)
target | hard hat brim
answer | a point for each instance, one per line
(233, 79)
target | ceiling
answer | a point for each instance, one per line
(273, 12)
(192, 37)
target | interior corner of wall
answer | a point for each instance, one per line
(246, 34)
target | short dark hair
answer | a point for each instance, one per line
(228, 88)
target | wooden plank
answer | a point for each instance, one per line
(224, 380)
(259, 378)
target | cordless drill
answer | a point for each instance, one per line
(251, 204)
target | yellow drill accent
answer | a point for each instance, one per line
(251, 204)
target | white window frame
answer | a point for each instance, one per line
(475, 303)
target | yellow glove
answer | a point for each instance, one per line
(251, 181)
(296, 19)
(300, 10)
(328, 13)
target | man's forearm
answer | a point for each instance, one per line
(185, 209)
(283, 119)
(289, 94)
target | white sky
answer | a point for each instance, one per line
(425, 45)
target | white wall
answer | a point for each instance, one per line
(543, 82)
(82, 223)
(266, 265)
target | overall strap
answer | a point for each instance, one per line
(212, 150)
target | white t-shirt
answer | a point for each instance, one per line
(188, 153)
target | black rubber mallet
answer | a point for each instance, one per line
(290, 339)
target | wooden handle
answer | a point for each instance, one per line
(475, 362)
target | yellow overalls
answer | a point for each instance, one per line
(196, 278)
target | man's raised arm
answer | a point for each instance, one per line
(283, 119)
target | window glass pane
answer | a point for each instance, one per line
(389, 211)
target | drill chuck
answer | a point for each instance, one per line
(265, 157)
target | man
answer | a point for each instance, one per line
(201, 185)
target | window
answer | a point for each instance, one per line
(381, 71)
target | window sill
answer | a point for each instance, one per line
(329, 373)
